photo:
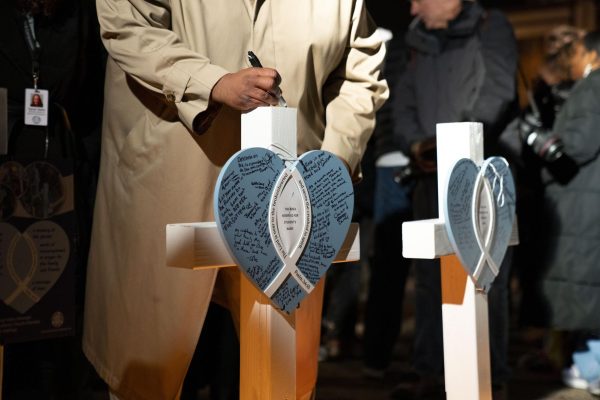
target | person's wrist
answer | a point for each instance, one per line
(217, 94)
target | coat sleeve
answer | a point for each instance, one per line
(137, 36)
(498, 90)
(355, 91)
(384, 139)
(407, 129)
(579, 128)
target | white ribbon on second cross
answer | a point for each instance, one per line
(290, 175)
(480, 211)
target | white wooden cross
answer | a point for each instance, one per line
(267, 336)
(464, 309)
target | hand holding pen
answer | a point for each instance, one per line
(248, 89)
(255, 62)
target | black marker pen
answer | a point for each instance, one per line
(255, 62)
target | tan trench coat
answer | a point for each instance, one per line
(143, 319)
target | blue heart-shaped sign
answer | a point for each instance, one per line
(479, 213)
(284, 221)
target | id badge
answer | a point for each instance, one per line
(36, 107)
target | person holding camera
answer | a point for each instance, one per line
(571, 280)
(536, 144)
(530, 145)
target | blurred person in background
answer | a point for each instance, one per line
(392, 193)
(463, 68)
(68, 60)
(550, 89)
(571, 280)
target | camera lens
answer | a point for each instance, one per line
(548, 147)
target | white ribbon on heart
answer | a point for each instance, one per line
(32, 262)
(22, 284)
(289, 259)
(485, 242)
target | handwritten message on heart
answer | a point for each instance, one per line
(284, 221)
(31, 262)
(479, 213)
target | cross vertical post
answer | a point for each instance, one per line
(267, 370)
(464, 308)
(466, 328)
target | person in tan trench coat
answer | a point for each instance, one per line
(166, 134)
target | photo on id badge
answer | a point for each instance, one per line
(36, 107)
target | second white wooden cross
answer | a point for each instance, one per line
(464, 308)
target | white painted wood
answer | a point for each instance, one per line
(466, 336)
(198, 245)
(466, 347)
(428, 239)
(425, 239)
(270, 127)
(260, 322)
(265, 355)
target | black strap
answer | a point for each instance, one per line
(34, 47)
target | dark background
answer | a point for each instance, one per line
(531, 20)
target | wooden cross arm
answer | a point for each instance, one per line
(428, 239)
(199, 246)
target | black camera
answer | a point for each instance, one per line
(548, 147)
(544, 144)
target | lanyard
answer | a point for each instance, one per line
(34, 48)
